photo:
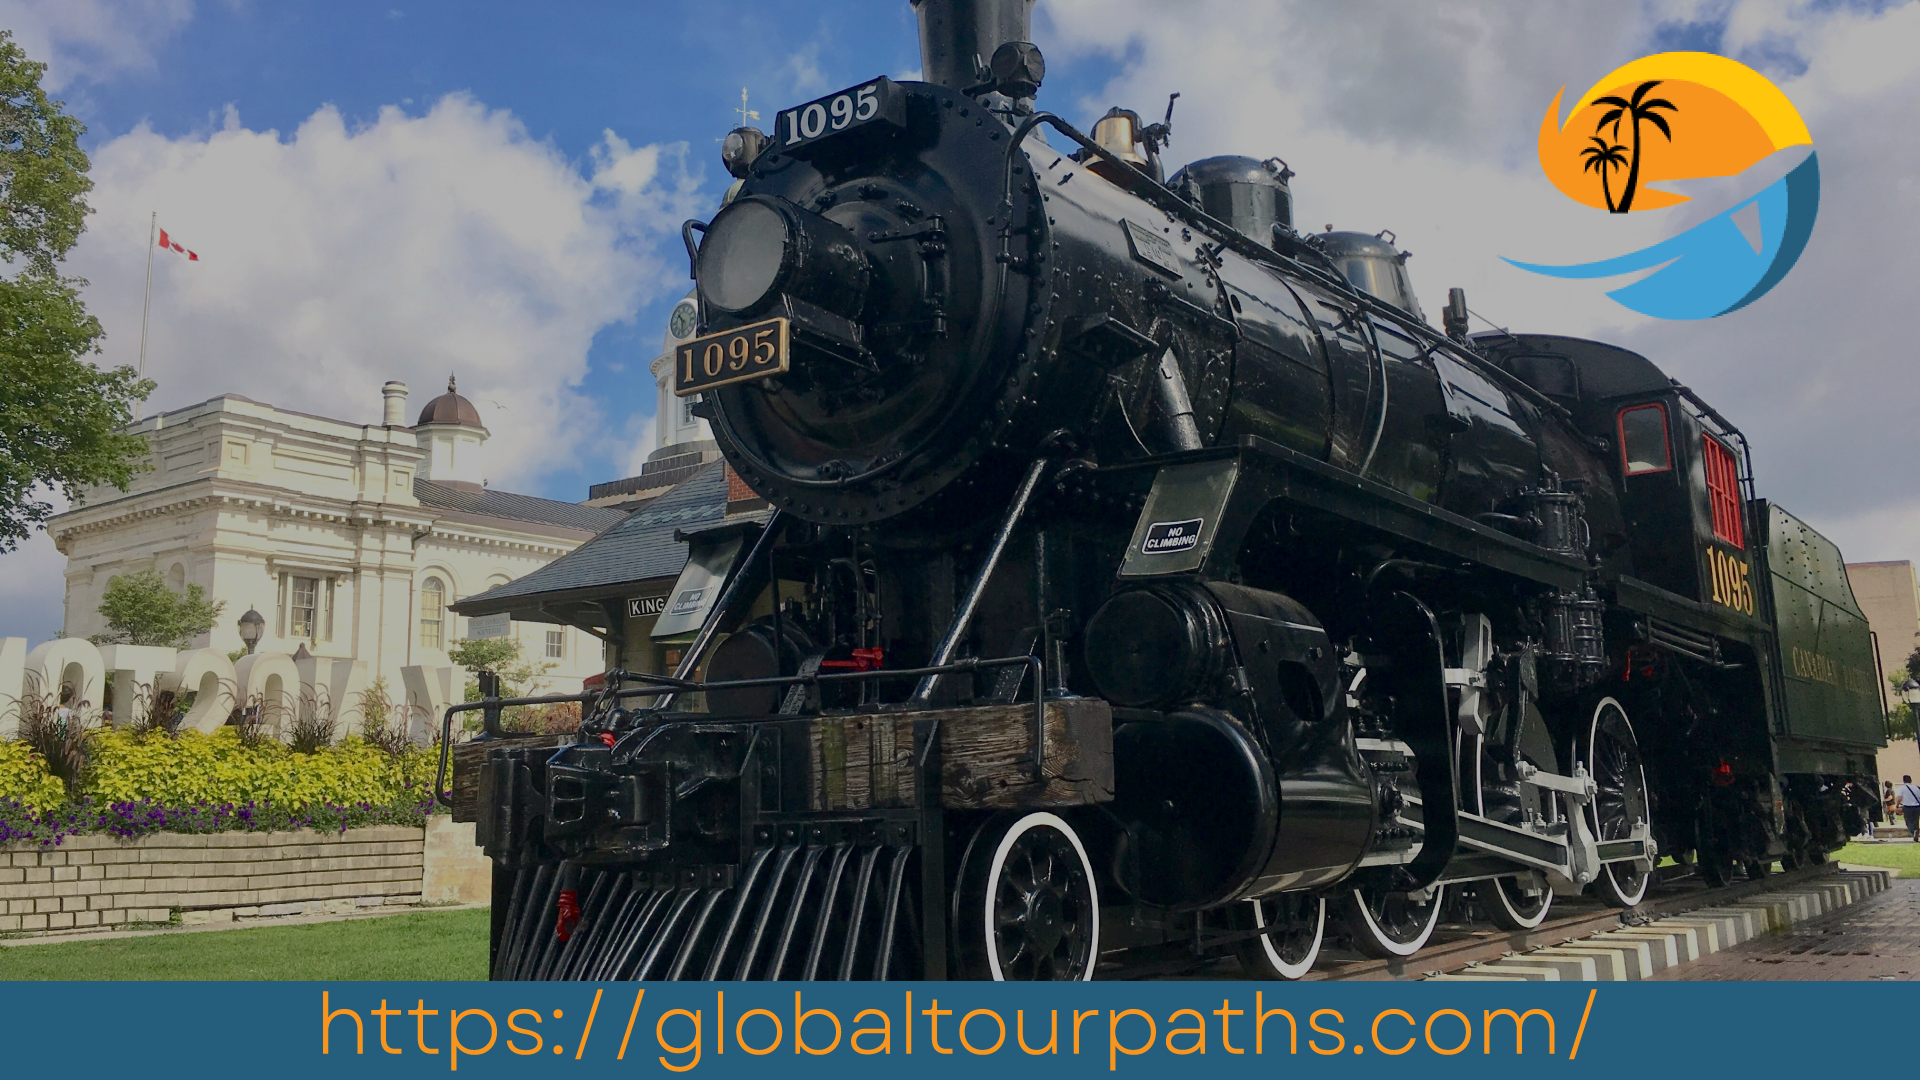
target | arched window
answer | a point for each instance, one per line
(177, 579)
(433, 613)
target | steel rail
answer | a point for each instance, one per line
(1453, 955)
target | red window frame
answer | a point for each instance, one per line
(1723, 491)
(1620, 424)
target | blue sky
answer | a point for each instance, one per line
(404, 189)
(656, 73)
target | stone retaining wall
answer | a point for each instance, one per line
(103, 881)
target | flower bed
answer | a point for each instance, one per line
(137, 784)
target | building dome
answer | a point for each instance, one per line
(449, 408)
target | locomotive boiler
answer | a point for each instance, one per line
(1139, 571)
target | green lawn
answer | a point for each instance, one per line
(1899, 854)
(429, 945)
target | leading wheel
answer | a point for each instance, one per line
(1027, 908)
(1387, 925)
(1295, 923)
(1516, 903)
(1611, 755)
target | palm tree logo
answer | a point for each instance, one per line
(1603, 157)
(1637, 110)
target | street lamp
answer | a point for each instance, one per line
(1910, 693)
(253, 624)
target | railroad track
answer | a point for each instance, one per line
(1680, 920)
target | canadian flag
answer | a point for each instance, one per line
(167, 242)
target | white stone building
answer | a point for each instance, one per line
(350, 539)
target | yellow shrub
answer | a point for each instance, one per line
(24, 778)
(218, 768)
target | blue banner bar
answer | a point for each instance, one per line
(955, 1029)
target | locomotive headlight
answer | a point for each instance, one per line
(760, 247)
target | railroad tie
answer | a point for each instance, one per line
(1632, 953)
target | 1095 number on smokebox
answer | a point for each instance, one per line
(753, 351)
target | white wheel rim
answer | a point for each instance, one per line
(1398, 948)
(1025, 825)
(1285, 969)
(1593, 808)
(1525, 922)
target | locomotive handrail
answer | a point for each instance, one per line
(1160, 196)
(969, 664)
(687, 228)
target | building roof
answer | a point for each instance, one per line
(639, 548)
(449, 408)
(504, 504)
(656, 476)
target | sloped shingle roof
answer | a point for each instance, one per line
(638, 548)
(505, 504)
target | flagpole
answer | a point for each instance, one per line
(146, 303)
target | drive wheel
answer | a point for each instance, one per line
(1511, 906)
(1288, 950)
(1611, 755)
(1387, 925)
(1027, 908)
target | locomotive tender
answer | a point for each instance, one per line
(1142, 572)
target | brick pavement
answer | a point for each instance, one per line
(1877, 938)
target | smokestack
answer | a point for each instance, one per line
(957, 37)
(395, 393)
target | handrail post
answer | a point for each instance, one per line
(963, 619)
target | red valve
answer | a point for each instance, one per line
(606, 738)
(569, 914)
(863, 660)
(1723, 773)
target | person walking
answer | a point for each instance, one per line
(1910, 806)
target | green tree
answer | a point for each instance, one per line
(61, 417)
(1603, 157)
(518, 676)
(141, 610)
(1637, 111)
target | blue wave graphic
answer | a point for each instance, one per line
(1712, 269)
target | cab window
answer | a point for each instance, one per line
(1643, 440)
(1723, 491)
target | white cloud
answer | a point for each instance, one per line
(802, 71)
(1422, 119)
(90, 40)
(33, 584)
(335, 258)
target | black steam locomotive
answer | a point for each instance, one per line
(1138, 571)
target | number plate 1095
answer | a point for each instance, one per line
(754, 351)
(878, 102)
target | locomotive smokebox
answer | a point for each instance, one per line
(959, 37)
